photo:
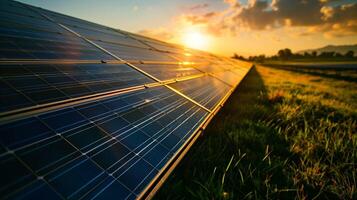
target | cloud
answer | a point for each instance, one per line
(331, 17)
(200, 19)
(301, 18)
(198, 6)
(260, 14)
(232, 3)
(338, 21)
(255, 16)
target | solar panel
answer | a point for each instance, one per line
(91, 112)
(207, 90)
(136, 54)
(228, 76)
(165, 71)
(93, 31)
(112, 137)
(156, 44)
(33, 37)
(33, 84)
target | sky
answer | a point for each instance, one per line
(245, 27)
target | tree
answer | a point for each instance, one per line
(349, 54)
(235, 56)
(297, 55)
(314, 54)
(285, 53)
(338, 55)
(325, 54)
(261, 58)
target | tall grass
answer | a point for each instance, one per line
(282, 135)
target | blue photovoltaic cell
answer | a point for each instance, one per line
(93, 31)
(121, 45)
(207, 90)
(14, 7)
(162, 46)
(31, 21)
(136, 54)
(27, 35)
(82, 153)
(169, 71)
(108, 36)
(28, 85)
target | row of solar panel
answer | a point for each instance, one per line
(35, 84)
(111, 147)
(39, 38)
(68, 87)
(49, 41)
(120, 142)
(25, 34)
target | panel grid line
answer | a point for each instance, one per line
(154, 185)
(130, 105)
(85, 154)
(28, 111)
(131, 65)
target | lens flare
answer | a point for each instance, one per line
(195, 39)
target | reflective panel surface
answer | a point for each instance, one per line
(35, 84)
(83, 151)
(207, 90)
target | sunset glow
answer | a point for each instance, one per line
(245, 27)
(195, 39)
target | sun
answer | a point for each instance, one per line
(195, 39)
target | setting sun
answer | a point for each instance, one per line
(195, 39)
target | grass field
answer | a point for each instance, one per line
(281, 135)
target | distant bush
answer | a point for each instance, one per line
(286, 54)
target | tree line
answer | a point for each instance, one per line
(287, 54)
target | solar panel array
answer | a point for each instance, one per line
(92, 112)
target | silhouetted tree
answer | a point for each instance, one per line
(338, 55)
(261, 58)
(307, 55)
(349, 54)
(285, 53)
(236, 56)
(274, 57)
(314, 54)
(327, 54)
(297, 55)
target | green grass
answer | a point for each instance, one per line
(313, 60)
(281, 135)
